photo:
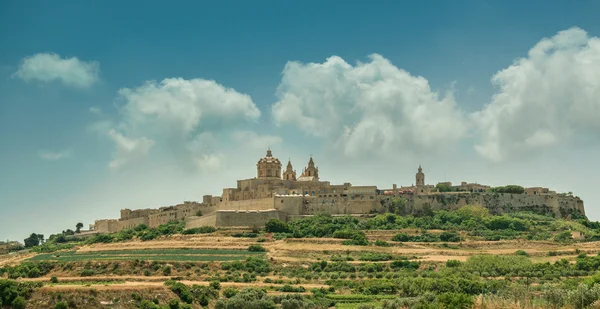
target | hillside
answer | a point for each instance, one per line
(461, 259)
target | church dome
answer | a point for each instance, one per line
(268, 167)
(269, 158)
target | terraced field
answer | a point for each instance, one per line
(148, 255)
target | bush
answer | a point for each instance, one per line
(54, 280)
(382, 243)
(167, 270)
(87, 272)
(453, 263)
(200, 230)
(256, 248)
(402, 237)
(521, 252)
(61, 305)
(449, 236)
(276, 226)
(229, 292)
(455, 300)
(19, 303)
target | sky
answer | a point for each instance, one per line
(109, 104)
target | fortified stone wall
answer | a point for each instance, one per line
(206, 220)
(257, 204)
(497, 203)
(131, 223)
(251, 218)
(107, 225)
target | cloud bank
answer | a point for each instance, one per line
(544, 99)
(371, 108)
(49, 67)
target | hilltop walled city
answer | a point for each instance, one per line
(283, 195)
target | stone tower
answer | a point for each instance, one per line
(268, 167)
(420, 177)
(290, 173)
(311, 171)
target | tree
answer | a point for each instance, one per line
(33, 240)
(442, 187)
(276, 226)
(78, 227)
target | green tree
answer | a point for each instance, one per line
(19, 302)
(443, 187)
(61, 305)
(78, 227)
(276, 226)
(32, 241)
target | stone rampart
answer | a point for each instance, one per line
(206, 220)
(256, 204)
(497, 203)
(250, 218)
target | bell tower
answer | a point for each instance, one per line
(420, 177)
(311, 170)
(268, 167)
(290, 173)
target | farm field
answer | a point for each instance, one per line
(341, 268)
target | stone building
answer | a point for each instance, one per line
(284, 195)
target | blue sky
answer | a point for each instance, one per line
(57, 148)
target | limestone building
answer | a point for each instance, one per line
(282, 194)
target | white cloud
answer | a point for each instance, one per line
(50, 155)
(48, 67)
(128, 149)
(179, 105)
(370, 108)
(253, 140)
(543, 99)
(186, 118)
(95, 110)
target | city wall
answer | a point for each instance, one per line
(206, 220)
(497, 203)
(251, 218)
(256, 204)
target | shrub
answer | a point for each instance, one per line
(87, 272)
(402, 237)
(521, 252)
(167, 270)
(215, 285)
(453, 263)
(61, 305)
(19, 302)
(54, 280)
(230, 292)
(455, 300)
(200, 230)
(449, 236)
(276, 226)
(382, 243)
(256, 248)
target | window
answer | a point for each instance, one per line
(332, 201)
(371, 197)
(323, 201)
(313, 193)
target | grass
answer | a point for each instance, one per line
(355, 305)
(151, 255)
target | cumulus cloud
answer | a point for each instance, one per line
(187, 117)
(253, 140)
(370, 108)
(48, 67)
(51, 155)
(543, 99)
(128, 149)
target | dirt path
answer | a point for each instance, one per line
(135, 285)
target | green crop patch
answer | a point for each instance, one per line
(150, 255)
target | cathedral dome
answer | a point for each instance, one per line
(269, 158)
(268, 167)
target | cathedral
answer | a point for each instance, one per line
(271, 181)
